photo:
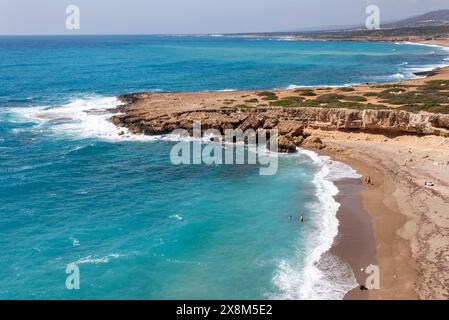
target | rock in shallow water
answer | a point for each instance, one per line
(285, 145)
(313, 142)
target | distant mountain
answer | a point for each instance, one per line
(430, 19)
(434, 24)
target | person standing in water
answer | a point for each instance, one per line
(301, 218)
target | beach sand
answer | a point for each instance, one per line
(354, 243)
(410, 221)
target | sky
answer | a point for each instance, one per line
(198, 16)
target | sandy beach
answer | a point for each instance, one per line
(409, 220)
(396, 221)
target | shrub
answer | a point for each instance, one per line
(306, 92)
(329, 97)
(289, 102)
(355, 98)
(436, 85)
(254, 100)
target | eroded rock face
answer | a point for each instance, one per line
(313, 142)
(285, 145)
(290, 122)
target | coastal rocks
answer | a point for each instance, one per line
(285, 145)
(313, 142)
(142, 114)
(253, 121)
(290, 128)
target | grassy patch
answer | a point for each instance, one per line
(436, 85)
(267, 95)
(355, 98)
(370, 94)
(309, 104)
(329, 97)
(253, 100)
(289, 102)
(346, 89)
(388, 86)
(434, 108)
(355, 105)
(305, 92)
(426, 97)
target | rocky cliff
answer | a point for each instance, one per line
(289, 121)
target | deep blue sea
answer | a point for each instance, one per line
(74, 192)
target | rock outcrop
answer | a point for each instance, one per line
(290, 122)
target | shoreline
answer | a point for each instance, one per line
(357, 244)
(354, 243)
(407, 218)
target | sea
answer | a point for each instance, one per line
(76, 193)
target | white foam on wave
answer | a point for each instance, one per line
(320, 275)
(227, 90)
(397, 76)
(81, 118)
(97, 260)
(75, 242)
(410, 70)
(285, 39)
(176, 217)
(294, 86)
(423, 45)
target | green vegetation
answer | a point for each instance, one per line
(354, 105)
(427, 97)
(436, 85)
(388, 86)
(268, 95)
(433, 96)
(329, 97)
(305, 92)
(354, 98)
(309, 104)
(253, 100)
(289, 102)
(437, 108)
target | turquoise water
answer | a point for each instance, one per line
(73, 191)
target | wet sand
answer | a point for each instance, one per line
(354, 243)
(410, 221)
